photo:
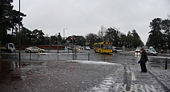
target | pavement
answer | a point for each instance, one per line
(161, 74)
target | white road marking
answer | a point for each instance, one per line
(109, 84)
(127, 70)
(124, 88)
(138, 87)
(133, 76)
(120, 87)
(150, 89)
(104, 86)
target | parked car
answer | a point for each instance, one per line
(81, 48)
(151, 51)
(87, 48)
(34, 49)
(114, 49)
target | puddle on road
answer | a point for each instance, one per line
(10, 70)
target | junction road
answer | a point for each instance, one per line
(60, 72)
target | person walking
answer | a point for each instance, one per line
(143, 60)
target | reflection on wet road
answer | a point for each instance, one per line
(60, 72)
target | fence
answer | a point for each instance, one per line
(62, 55)
(160, 61)
(56, 56)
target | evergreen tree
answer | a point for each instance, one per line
(166, 27)
(53, 40)
(91, 39)
(156, 37)
(38, 37)
(9, 18)
(136, 41)
(26, 36)
(112, 35)
(129, 40)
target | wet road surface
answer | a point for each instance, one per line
(110, 73)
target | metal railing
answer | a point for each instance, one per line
(55, 56)
(162, 61)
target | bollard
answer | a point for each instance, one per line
(166, 64)
(57, 50)
(30, 55)
(88, 56)
(104, 57)
(73, 56)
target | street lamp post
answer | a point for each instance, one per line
(19, 36)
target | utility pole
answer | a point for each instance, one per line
(19, 37)
(64, 33)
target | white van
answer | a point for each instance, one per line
(8, 48)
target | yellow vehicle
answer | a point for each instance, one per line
(95, 46)
(103, 47)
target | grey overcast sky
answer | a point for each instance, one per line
(80, 17)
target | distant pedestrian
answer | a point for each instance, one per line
(143, 60)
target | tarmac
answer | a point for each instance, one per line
(19, 79)
(161, 74)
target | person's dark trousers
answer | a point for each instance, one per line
(143, 67)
